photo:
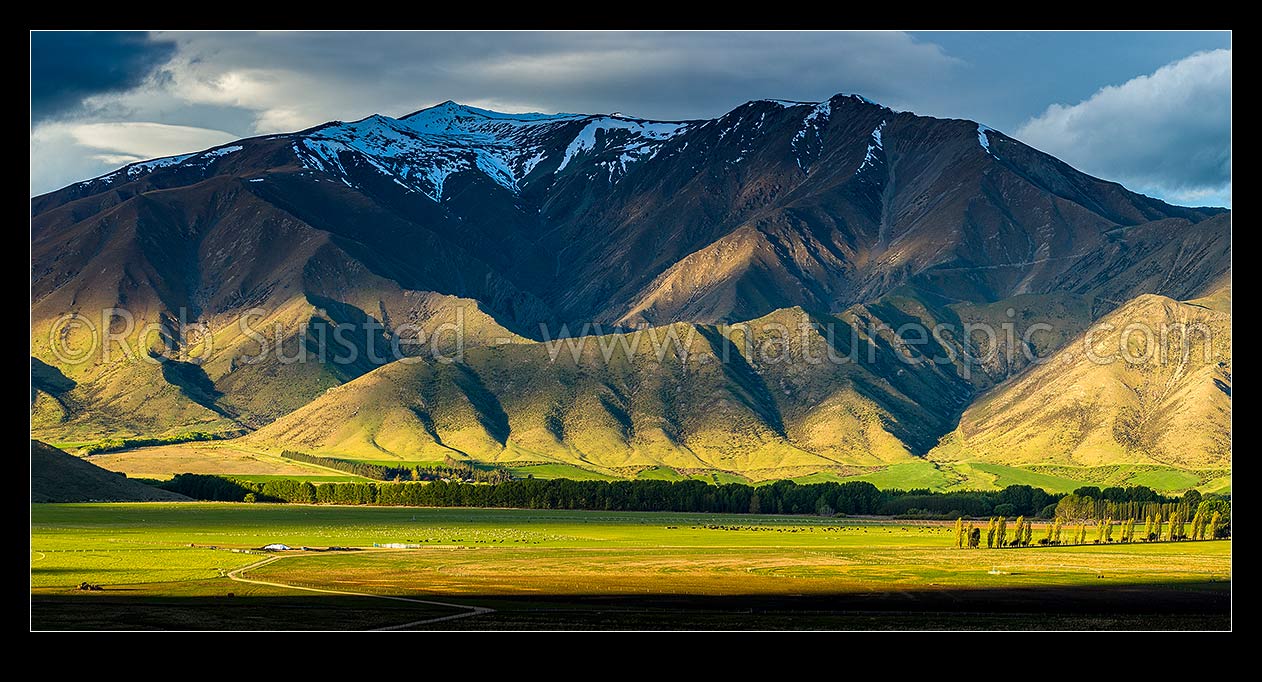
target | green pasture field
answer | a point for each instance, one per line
(662, 473)
(907, 476)
(317, 478)
(229, 459)
(1169, 479)
(984, 476)
(558, 471)
(574, 569)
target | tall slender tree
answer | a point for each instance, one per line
(959, 533)
(1001, 531)
(990, 534)
(1215, 525)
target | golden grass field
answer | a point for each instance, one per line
(595, 569)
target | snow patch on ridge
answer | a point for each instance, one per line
(134, 170)
(861, 98)
(819, 116)
(788, 103)
(812, 126)
(204, 159)
(870, 158)
(222, 151)
(644, 138)
(983, 140)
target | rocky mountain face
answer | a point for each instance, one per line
(508, 226)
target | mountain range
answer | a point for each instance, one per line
(497, 234)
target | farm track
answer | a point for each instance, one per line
(236, 575)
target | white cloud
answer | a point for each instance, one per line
(1168, 132)
(83, 150)
(145, 139)
(117, 159)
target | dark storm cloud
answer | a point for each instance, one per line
(67, 67)
(651, 74)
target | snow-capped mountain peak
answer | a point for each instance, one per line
(421, 150)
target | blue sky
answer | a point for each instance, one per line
(1149, 109)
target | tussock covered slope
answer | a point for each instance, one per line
(1139, 408)
(739, 398)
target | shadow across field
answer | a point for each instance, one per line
(1191, 605)
(130, 608)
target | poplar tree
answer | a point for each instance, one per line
(1016, 540)
(1029, 532)
(990, 534)
(959, 533)
(1147, 527)
(1108, 530)
(1001, 531)
(1215, 525)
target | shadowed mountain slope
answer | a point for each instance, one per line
(57, 476)
(467, 228)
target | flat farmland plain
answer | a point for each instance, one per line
(506, 569)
